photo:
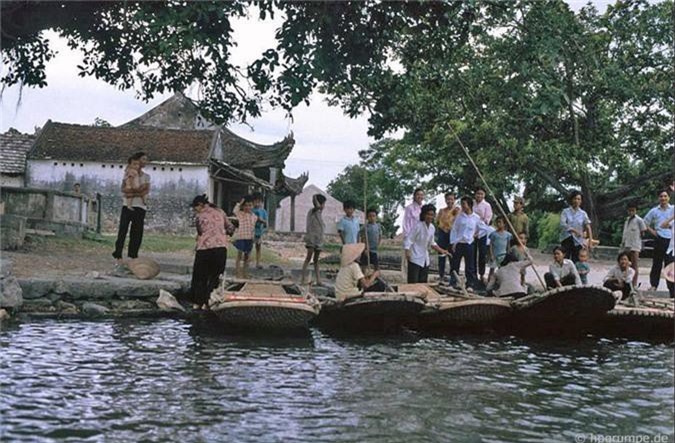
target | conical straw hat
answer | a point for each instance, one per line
(143, 268)
(350, 253)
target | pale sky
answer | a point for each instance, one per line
(326, 140)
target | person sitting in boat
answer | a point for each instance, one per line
(506, 281)
(620, 277)
(417, 244)
(350, 281)
(562, 272)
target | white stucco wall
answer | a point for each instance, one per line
(11, 181)
(48, 172)
(172, 189)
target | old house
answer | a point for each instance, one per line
(188, 156)
(332, 212)
(14, 146)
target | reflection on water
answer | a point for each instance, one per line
(170, 380)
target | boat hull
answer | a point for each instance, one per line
(264, 316)
(566, 311)
(638, 323)
(481, 314)
(372, 311)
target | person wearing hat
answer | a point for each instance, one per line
(211, 250)
(350, 281)
(518, 219)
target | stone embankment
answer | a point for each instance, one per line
(89, 296)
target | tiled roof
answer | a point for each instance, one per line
(13, 148)
(94, 143)
(239, 152)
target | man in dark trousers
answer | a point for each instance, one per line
(133, 214)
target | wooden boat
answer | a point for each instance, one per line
(569, 310)
(653, 318)
(450, 310)
(371, 311)
(263, 305)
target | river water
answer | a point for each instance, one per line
(169, 380)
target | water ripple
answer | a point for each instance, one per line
(172, 381)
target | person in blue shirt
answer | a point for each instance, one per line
(372, 232)
(500, 241)
(348, 227)
(573, 222)
(260, 226)
(655, 220)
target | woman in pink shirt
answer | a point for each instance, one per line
(211, 250)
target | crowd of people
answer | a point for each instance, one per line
(468, 233)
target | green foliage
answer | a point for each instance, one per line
(542, 97)
(548, 230)
(384, 191)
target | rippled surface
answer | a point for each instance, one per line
(169, 380)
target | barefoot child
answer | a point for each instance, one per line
(245, 233)
(620, 277)
(314, 237)
(132, 180)
(631, 238)
(583, 268)
(499, 244)
(260, 226)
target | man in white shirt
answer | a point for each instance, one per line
(483, 210)
(462, 237)
(411, 216)
(655, 220)
(417, 245)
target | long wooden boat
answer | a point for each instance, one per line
(653, 318)
(371, 311)
(257, 305)
(566, 311)
(450, 310)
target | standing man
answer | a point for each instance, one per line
(411, 216)
(483, 210)
(135, 214)
(655, 219)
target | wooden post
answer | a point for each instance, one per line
(292, 212)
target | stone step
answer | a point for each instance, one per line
(40, 232)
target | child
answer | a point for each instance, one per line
(519, 220)
(631, 238)
(372, 232)
(314, 237)
(620, 277)
(499, 244)
(260, 225)
(521, 252)
(350, 281)
(583, 267)
(132, 180)
(245, 233)
(348, 226)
